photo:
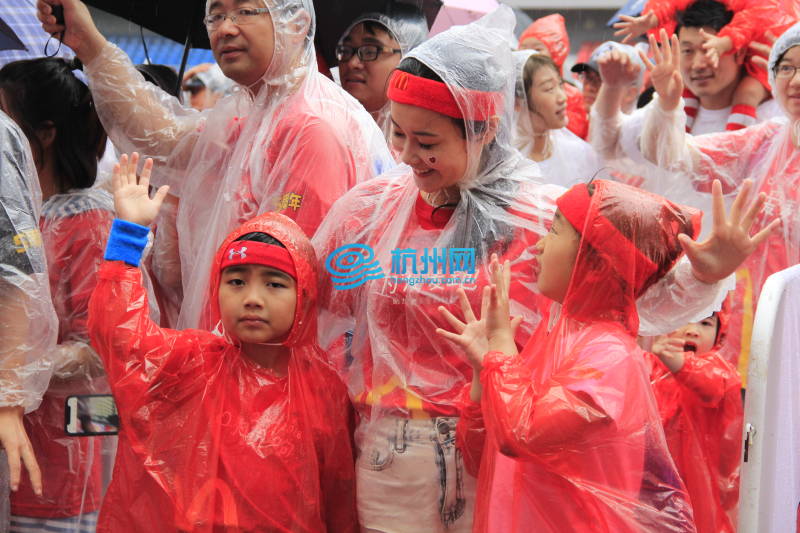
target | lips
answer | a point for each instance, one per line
(699, 79)
(689, 346)
(252, 320)
(229, 51)
(423, 173)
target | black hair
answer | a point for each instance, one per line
(44, 90)
(704, 14)
(161, 76)
(258, 236)
(373, 26)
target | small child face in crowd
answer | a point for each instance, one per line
(698, 337)
(557, 253)
(257, 303)
(532, 43)
(547, 100)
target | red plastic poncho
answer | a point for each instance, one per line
(751, 20)
(294, 147)
(74, 229)
(208, 439)
(552, 31)
(701, 410)
(573, 436)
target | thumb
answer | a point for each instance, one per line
(515, 322)
(161, 193)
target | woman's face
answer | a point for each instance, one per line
(547, 100)
(433, 145)
(787, 88)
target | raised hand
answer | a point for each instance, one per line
(14, 440)
(80, 33)
(131, 196)
(761, 51)
(633, 27)
(617, 69)
(500, 326)
(670, 351)
(469, 334)
(730, 242)
(665, 70)
(715, 47)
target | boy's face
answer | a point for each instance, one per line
(257, 303)
(698, 337)
(557, 252)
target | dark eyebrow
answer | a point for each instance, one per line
(236, 269)
(417, 133)
(275, 272)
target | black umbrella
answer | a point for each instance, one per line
(9, 39)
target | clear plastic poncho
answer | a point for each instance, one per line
(768, 154)
(294, 147)
(209, 440)
(572, 160)
(28, 327)
(381, 332)
(409, 28)
(74, 228)
(572, 434)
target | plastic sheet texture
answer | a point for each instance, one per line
(209, 439)
(28, 327)
(409, 29)
(701, 410)
(74, 230)
(269, 151)
(573, 437)
(572, 159)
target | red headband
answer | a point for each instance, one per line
(258, 253)
(603, 236)
(405, 88)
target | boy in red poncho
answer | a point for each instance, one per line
(699, 398)
(548, 35)
(750, 22)
(244, 429)
(567, 432)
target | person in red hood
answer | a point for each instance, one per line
(548, 35)
(242, 429)
(567, 432)
(698, 396)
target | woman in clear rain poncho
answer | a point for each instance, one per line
(541, 116)
(395, 246)
(393, 34)
(548, 35)
(768, 153)
(288, 140)
(44, 96)
(28, 324)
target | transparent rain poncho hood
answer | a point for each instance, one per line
(260, 149)
(407, 25)
(572, 160)
(28, 324)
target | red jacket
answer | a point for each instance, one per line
(209, 439)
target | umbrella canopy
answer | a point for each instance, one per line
(460, 12)
(632, 8)
(9, 39)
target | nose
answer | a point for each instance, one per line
(227, 27)
(354, 62)
(407, 154)
(561, 97)
(691, 331)
(700, 61)
(253, 298)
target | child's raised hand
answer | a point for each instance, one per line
(665, 70)
(131, 196)
(617, 69)
(500, 326)
(670, 351)
(760, 51)
(470, 333)
(633, 27)
(730, 242)
(715, 47)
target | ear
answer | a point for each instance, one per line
(299, 25)
(46, 133)
(491, 130)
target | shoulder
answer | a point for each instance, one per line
(78, 202)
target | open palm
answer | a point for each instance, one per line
(665, 70)
(131, 195)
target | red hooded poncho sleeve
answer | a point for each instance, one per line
(209, 439)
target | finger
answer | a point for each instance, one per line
(771, 37)
(740, 201)
(665, 45)
(655, 49)
(646, 60)
(14, 466)
(762, 235)
(506, 278)
(760, 48)
(486, 296)
(450, 336)
(123, 170)
(760, 62)
(466, 308)
(690, 247)
(752, 212)
(515, 322)
(161, 195)
(146, 170)
(717, 207)
(116, 178)
(32, 466)
(133, 166)
(451, 319)
(676, 50)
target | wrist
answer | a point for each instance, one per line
(700, 276)
(652, 20)
(91, 46)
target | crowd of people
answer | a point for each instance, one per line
(450, 291)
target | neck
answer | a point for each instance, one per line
(720, 100)
(274, 358)
(441, 197)
(47, 178)
(541, 145)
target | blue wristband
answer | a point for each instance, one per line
(126, 242)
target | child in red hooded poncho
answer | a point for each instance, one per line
(699, 398)
(244, 429)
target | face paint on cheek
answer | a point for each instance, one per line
(432, 160)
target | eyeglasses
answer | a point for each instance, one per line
(366, 52)
(785, 71)
(240, 17)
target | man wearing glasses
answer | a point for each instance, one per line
(288, 139)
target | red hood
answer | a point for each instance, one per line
(724, 317)
(552, 31)
(629, 240)
(289, 233)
